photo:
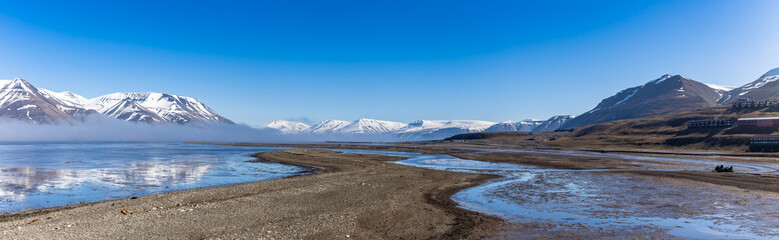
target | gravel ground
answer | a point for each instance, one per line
(350, 196)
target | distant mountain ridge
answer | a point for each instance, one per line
(673, 94)
(420, 129)
(763, 88)
(22, 101)
(667, 94)
(288, 127)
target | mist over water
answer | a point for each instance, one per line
(105, 129)
(102, 129)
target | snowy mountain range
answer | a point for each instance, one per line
(22, 101)
(421, 129)
(361, 126)
(433, 129)
(527, 125)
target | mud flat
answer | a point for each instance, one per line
(574, 194)
(585, 197)
(680, 170)
(351, 196)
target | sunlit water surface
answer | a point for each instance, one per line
(38, 175)
(572, 200)
(52, 174)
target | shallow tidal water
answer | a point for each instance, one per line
(39, 175)
(557, 203)
(565, 203)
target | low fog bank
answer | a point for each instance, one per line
(102, 129)
(332, 137)
(105, 129)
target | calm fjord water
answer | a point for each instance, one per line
(38, 175)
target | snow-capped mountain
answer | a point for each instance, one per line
(721, 90)
(131, 111)
(764, 87)
(667, 94)
(361, 126)
(531, 125)
(553, 123)
(507, 126)
(288, 127)
(21, 100)
(156, 107)
(430, 129)
(422, 129)
(327, 126)
(527, 125)
(372, 126)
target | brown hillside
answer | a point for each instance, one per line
(654, 132)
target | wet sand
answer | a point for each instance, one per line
(750, 181)
(359, 195)
(350, 196)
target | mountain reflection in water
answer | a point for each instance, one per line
(36, 175)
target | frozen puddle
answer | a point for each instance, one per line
(606, 205)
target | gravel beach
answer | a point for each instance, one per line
(350, 196)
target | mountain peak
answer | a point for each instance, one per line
(18, 82)
(287, 127)
(764, 87)
(366, 125)
(667, 94)
(772, 72)
(662, 78)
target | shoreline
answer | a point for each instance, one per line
(747, 181)
(448, 147)
(359, 195)
(355, 195)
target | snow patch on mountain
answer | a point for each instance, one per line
(757, 84)
(719, 87)
(629, 96)
(371, 126)
(433, 125)
(772, 72)
(287, 127)
(527, 125)
(661, 79)
(327, 126)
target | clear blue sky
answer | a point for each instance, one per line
(258, 61)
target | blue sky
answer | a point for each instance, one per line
(257, 61)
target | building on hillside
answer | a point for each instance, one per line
(712, 123)
(758, 122)
(753, 104)
(764, 143)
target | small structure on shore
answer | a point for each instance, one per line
(712, 123)
(758, 122)
(764, 143)
(747, 104)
